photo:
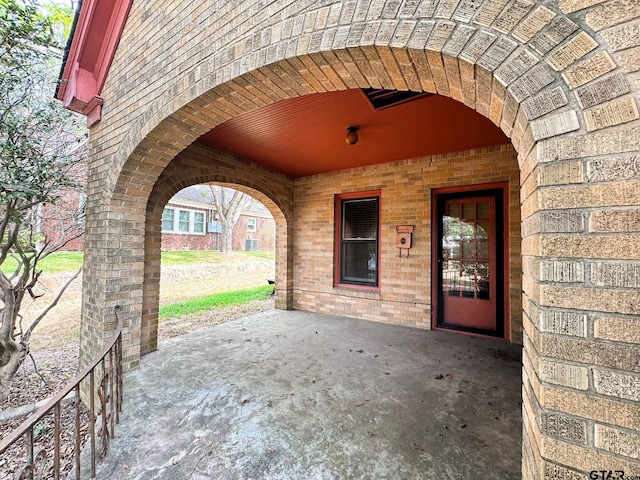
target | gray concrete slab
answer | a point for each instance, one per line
(295, 395)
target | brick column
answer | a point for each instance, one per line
(113, 275)
(582, 342)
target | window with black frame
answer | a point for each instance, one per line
(359, 220)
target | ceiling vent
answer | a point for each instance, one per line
(380, 99)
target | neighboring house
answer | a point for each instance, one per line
(498, 139)
(190, 222)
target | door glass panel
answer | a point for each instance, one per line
(483, 250)
(454, 210)
(451, 278)
(466, 242)
(447, 227)
(483, 210)
(452, 251)
(482, 230)
(483, 284)
(468, 249)
(467, 280)
(468, 211)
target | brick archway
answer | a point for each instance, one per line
(200, 164)
(562, 94)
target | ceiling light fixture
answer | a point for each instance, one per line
(352, 135)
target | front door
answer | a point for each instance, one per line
(470, 262)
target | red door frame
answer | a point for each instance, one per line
(502, 256)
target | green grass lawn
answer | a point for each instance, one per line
(72, 261)
(54, 263)
(187, 257)
(214, 301)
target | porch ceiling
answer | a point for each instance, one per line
(306, 135)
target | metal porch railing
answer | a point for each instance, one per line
(107, 369)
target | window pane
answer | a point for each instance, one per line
(360, 219)
(251, 224)
(359, 262)
(82, 207)
(198, 222)
(167, 219)
(183, 221)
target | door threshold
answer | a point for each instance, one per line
(469, 334)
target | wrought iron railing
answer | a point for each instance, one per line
(107, 368)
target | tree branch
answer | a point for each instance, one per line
(35, 368)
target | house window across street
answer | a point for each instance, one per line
(183, 221)
(358, 248)
(251, 224)
(168, 216)
(198, 222)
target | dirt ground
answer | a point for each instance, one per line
(178, 283)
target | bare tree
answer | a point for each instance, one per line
(37, 166)
(229, 204)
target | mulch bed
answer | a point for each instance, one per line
(55, 368)
(43, 442)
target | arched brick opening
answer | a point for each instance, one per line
(201, 164)
(562, 94)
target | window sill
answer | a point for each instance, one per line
(357, 288)
(183, 233)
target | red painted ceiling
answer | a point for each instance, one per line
(306, 135)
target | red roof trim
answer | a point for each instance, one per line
(95, 39)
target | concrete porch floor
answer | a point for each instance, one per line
(297, 395)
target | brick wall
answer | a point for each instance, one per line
(265, 233)
(560, 78)
(406, 187)
(177, 241)
(62, 222)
